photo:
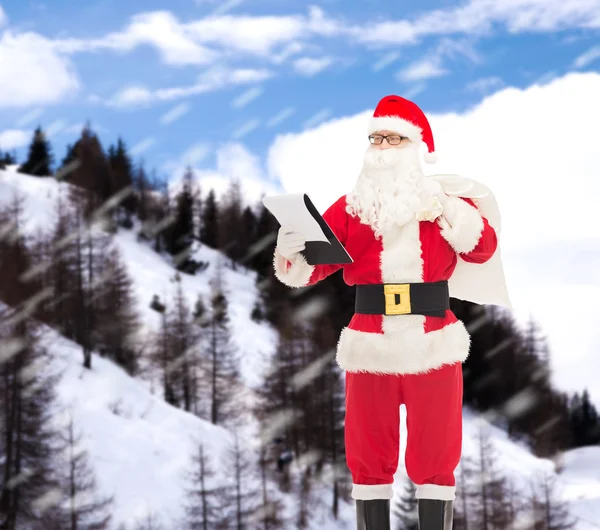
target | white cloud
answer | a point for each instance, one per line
(29, 117)
(211, 80)
(430, 66)
(245, 129)
(195, 154)
(233, 161)
(587, 57)
(480, 17)
(175, 113)
(537, 149)
(3, 17)
(280, 116)
(310, 66)
(159, 29)
(246, 97)
(385, 61)
(182, 43)
(427, 68)
(32, 73)
(205, 40)
(485, 84)
(14, 138)
(142, 146)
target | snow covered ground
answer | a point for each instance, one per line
(140, 446)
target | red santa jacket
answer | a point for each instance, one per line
(420, 251)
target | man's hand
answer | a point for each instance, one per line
(289, 242)
(434, 200)
(434, 189)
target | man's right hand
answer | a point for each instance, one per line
(289, 242)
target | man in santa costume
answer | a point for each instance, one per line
(415, 241)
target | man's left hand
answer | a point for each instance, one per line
(435, 200)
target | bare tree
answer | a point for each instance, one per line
(269, 514)
(549, 511)
(83, 508)
(492, 507)
(203, 506)
(240, 498)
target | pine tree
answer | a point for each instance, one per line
(93, 179)
(222, 365)
(118, 321)
(263, 245)
(181, 232)
(230, 223)
(203, 504)
(163, 354)
(183, 364)
(28, 484)
(584, 420)
(59, 273)
(122, 168)
(68, 164)
(246, 235)
(143, 190)
(209, 226)
(405, 509)
(39, 158)
(83, 507)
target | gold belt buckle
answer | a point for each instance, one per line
(393, 306)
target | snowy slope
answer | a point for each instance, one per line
(139, 445)
(140, 452)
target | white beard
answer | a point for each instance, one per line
(389, 189)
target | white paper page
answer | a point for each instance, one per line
(290, 210)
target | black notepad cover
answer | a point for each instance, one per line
(320, 252)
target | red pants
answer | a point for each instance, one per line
(434, 431)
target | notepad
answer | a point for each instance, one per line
(298, 211)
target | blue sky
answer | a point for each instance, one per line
(196, 74)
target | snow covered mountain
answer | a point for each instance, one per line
(140, 446)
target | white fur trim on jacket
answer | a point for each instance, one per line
(461, 224)
(396, 124)
(368, 492)
(434, 491)
(408, 352)
(299, 272)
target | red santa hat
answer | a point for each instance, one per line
(394, 113)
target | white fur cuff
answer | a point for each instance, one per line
(367, 492)
(408, 351)
(433, 491)
(461, 224)
(297, 275)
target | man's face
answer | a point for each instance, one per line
(386, 139)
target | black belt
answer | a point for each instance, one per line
(430, 299)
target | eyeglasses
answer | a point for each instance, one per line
(392, 139)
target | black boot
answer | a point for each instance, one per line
(373, 514)
(435, 514)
